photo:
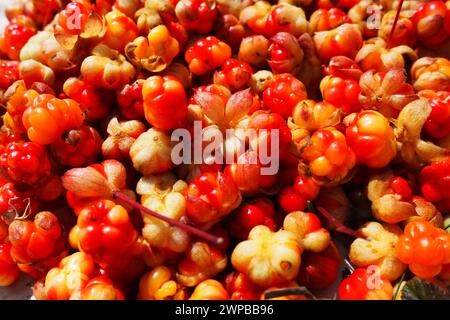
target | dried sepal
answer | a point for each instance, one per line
(98, 181)
(222, 114)
(238, 106)
(427, 211)
(87, 182)
(366, 13)
(212, 107)
(146, 19)
(44, 48)
(290, 46)
(260, 80)
(376, 55)
(387, 93)
(93, 30)
(391, 208)
(115, 173)
(387, 207)
(95, 27)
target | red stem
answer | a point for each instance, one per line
(192, 230)
(339, 227)
(397, 15)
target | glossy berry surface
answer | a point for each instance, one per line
(372, 139)
(9, 73)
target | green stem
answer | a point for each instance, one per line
(397, 290)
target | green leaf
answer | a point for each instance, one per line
(418, 289)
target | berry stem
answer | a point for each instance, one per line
(47, 15)
(397, 15)
(349, 266)
(339, 227)
(192, 230)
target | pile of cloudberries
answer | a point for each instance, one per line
(356, 113)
